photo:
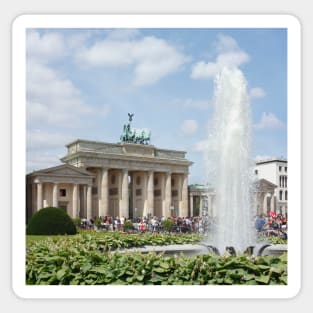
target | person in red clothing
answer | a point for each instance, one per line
(142, 226)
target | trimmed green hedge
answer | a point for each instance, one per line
(51, 221)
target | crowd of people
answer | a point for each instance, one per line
(272, 225)
(265, 225)
(178, 224)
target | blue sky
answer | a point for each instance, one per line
(81, 83)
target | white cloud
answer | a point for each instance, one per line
(229, 55)
(41, 139)
(269, 121)
(189, 127)
(45, 148)
(44, 159)
(52, 99)
(76, 41)
(45, 47)
(256, 93)
(201, 146)
(225, 43)
(151, 58)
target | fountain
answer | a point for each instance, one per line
(229, 162)
(230, 171)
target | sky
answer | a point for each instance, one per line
(82, 83)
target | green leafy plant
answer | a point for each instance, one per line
(77, 221)
(80, 260)
(128, 226)
(277, 240)
(51, 221)
(167, 225)
(98, 222)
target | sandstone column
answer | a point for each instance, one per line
(124, 201)
(168, 195)
(89, 203)
(272, 202)
(104, 193)
(75, 201)
(191, 205)
(201, 205)
(179, 196)
(145, 210)
(184, 193)
(150, 194)
(84, 202)
(39, 196)
(265, 203)
(55, 195)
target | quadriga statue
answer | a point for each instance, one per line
(134, 135)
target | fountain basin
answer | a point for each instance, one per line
(276, 250)
(186, 249)
(196, 249)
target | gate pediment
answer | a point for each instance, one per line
(65, 170)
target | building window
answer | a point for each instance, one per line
(280, 195)
(138, 192)
(173, 182)
(256, 172)
(174, 193)
(157, 193)
(286, 195)
(280, 168)
(113, 191)
(286, 169)
(113, 179)
(62, 192)
(138, 180)
(94, 190)
(156, 182)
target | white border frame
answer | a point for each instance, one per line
(19, 27)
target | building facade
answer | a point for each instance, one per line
(275, 171)
(202, 200)
(122, 179)
(264, 196)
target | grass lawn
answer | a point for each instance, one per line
(30, 239)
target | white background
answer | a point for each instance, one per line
(10, 10)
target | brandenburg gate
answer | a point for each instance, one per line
(131, 178)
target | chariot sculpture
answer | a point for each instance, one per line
(135, 135)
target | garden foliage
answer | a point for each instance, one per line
(80, 260)
(51, 221)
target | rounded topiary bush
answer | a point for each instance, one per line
(51, 221)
